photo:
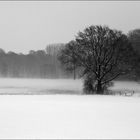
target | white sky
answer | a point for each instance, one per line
(27, 25)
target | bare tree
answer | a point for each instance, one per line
(102, 54)
(68, 57)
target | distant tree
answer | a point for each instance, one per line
(53, 49)
(11, 53)
(3, 70)
(2, 51)
(41, 53)
(3, 66)
(32, 52)
(134, 38)
(103, 54)
(67, 56)
(35, 64)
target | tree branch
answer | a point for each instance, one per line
(111, 78)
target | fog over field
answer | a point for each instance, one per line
(20, 86)
(40, 86)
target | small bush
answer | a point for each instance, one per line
(90, 86)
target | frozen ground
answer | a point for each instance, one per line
(66, 116)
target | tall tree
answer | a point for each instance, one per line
(102, 54)
(68, 57)
(134, 37)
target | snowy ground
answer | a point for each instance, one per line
(66, 116)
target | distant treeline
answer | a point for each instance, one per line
(45, 63)
(35, 64)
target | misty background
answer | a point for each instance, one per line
(32, 32)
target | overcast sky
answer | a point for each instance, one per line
(32, 25)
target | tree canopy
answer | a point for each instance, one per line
(102, 54)
(134, 38)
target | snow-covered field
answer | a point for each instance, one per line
(66, 116)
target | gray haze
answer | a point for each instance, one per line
(32, 25)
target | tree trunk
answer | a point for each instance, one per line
(99, 88)
(74, 73)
